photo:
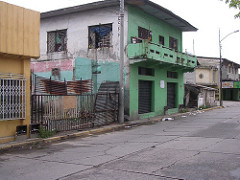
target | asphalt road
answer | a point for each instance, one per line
(201, 146)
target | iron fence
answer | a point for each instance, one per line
(70, 112)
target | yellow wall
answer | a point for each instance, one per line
(17, 66)
(207, 76)
(19, 41)
(19, 31)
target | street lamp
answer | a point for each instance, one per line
(220, 49)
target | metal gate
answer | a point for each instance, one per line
(144, 97)
(171, 95)
(107, 103)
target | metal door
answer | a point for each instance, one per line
(171, 95)
(144, 97)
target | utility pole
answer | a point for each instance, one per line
(220, 52)
(121, 49)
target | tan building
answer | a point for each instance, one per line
(207, 73)
(19, 42)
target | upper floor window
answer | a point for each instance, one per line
(173, 44)
(100, 36)
(161, 40)
(146, 71)
(144, 33)
(173, 75)
(57, 41)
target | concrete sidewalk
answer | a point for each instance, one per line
(38, 142)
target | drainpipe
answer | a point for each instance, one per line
(121, 80)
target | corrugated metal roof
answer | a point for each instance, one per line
(145, 5)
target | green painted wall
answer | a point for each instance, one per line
(137, 17)
(159, 97)
(108, 71)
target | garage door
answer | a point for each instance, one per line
(171, 95)
(144, 97)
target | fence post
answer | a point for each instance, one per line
(65, 84)
(50, 82)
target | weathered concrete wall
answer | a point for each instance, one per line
(227, 74)
(106, 70)
(203, 76)
(78, 56)
(190, 77)
(77, 34)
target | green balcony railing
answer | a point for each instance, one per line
(150, 51)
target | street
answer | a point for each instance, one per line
(200, 146)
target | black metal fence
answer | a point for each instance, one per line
(70, 105)
(71, 112)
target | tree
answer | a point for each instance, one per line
(234, 4)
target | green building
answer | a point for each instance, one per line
(156, 61)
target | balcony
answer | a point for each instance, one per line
(149, 51)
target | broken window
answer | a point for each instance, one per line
(57, 41)
(173, 44)
(144, 34)
(161, 40)
(100, 36)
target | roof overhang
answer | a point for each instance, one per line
(217, 59)
(163, 14)
(145, 5)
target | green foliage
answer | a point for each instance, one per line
(43, 133)
(234, 4)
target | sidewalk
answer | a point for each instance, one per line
(38, 142)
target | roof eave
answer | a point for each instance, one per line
(181, 24)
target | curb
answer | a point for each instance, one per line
(29, 144)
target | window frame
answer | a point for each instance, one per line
(143, 71)
(54, 43)
(105, 40)
(12, 97)
(161, 38)
(172, 75)
(173, 43)
(144, 35)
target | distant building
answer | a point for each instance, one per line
(199, 96)
(82, 42)
(207, 74)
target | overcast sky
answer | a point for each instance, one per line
(208, 16)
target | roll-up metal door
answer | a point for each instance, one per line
(144, 97)
(171, 95)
